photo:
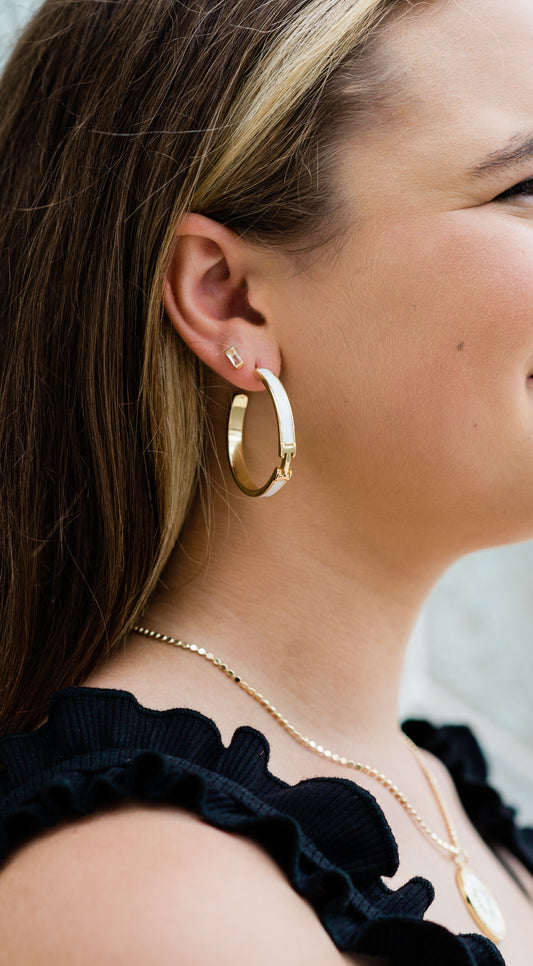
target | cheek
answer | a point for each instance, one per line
(421, 332)
(442, 321)
(456, 307)
(408, 367)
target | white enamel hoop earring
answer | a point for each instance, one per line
(287, 440)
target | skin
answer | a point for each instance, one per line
(407, 352)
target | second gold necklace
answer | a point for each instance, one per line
(479, 901)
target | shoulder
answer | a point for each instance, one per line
(153, 885)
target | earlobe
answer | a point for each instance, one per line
(207, 299)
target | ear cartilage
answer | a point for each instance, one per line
(234, 357)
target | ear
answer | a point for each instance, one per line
(209, 299)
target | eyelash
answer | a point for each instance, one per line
(522, 188)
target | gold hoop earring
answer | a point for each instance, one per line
(287, 441)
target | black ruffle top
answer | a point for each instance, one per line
(328, 835)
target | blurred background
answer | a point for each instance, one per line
(471, 661)
(471, 656)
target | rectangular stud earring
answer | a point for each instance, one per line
(234, 357)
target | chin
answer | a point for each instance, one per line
(502, 530)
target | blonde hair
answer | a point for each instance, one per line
(119, 118)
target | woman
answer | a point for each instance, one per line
(337, 193)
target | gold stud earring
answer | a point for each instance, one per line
(234, 357)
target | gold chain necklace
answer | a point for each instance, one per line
(479, 901)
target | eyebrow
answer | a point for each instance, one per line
(518, 149)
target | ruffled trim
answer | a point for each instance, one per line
(457, 748)
(329, 836)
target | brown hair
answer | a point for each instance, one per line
(118, 117)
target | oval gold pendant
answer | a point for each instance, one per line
(481, 904)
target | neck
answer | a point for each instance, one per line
(301, 606)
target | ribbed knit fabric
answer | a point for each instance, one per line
(328, 835)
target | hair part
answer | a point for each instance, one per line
(119, 118)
